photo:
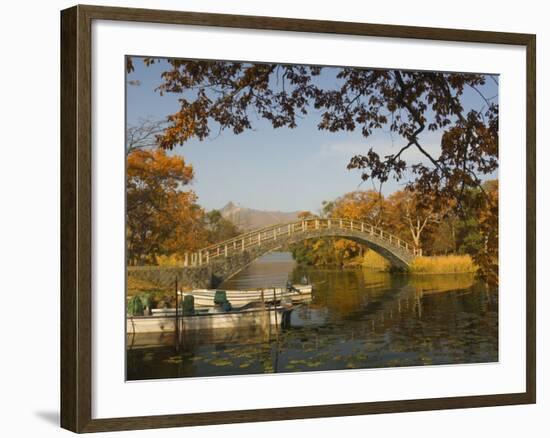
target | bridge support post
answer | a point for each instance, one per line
(225, 250)
(186, 260)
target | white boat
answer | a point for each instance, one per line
(164, 320)
(238, 298)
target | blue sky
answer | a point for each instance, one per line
(274, 169)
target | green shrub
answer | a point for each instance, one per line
(135, 306)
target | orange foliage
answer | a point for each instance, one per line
(304, 214)
(161, 218)
(360, 205)
(363, 205)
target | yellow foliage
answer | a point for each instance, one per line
(137, 286)
(450, 264)
(161, 218)
(363, 205)
(170, 260)
(373, 260)
(370, 260)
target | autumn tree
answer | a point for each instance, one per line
(160, 217)
(360, 205)
(304, 214)
(412, 215)
(442, 238)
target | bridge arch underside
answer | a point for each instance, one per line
(225, 268)
(397, 260)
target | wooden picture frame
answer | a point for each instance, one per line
(76, 217)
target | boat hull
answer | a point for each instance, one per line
(166, 322)
(205, 297)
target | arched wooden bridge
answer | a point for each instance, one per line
(227, 258)
(210, 266)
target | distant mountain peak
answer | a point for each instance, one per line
(229, 206)
(249, 219)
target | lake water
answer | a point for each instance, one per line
(357, 319)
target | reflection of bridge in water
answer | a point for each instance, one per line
(210, 266)
(225, 259)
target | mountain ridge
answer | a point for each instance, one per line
(248, 218)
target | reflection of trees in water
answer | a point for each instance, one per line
(351, 291)
(407, 309)
(410, 324)
(428, 284)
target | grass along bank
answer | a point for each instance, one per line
(449, 264)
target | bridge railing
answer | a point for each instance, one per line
(271, 233)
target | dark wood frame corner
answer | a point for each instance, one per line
(76, 238)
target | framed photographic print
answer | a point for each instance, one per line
(267, 218)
